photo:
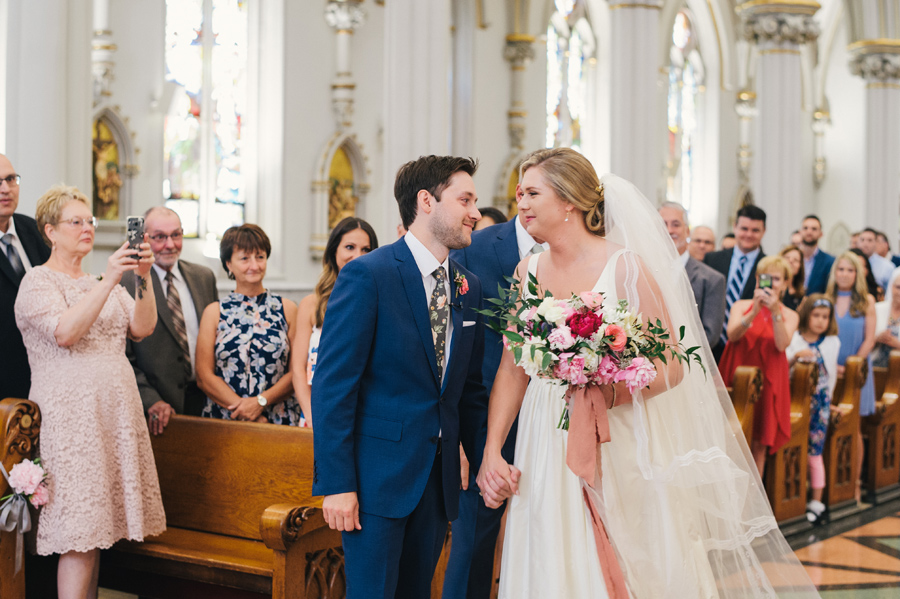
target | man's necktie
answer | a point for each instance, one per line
(173, 300)
(439, 313)
(13, 256)
(735, 288)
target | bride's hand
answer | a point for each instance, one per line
(497, 480)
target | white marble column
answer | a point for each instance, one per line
(878, 63)
(417, 61)
(634, 149)
(776, 174)
(344, 16)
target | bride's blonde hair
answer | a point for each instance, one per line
(574, 180)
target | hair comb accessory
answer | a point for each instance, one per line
(821, 303)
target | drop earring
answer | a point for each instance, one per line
(567, 215)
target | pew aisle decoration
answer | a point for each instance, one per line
(583, 341)
(28, 481)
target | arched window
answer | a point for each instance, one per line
(686, 77)
(570, 51)
(204, 146)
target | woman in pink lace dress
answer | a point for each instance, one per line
(94, 440)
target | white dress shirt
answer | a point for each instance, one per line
(16, 243)
(525, 241)
(427, 264)
(683, 257)
(191, 323)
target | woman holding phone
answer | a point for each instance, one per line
(759, 332)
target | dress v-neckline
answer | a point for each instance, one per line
(534, 259)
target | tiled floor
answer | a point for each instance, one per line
(858, 558)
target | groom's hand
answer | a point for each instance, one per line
(341, 511)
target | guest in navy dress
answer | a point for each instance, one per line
(243, 347)
(854, 308)
(351, 238)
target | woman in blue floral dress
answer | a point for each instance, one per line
(243, 347)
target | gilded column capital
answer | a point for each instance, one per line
(876, 60)
(779, 21)
(344, 15)
(519, 49)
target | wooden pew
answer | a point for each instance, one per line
(786, 481)
(882, 431)
(842, 442)
(20, 424)
(241, 518)
(747, 385)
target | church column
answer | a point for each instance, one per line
(417, 60)
(634, 85)
(102, 51)
(778, 28)
(878, 63)
(343, 16)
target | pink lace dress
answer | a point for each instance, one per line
(94, 441)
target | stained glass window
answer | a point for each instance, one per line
(686, 77)
(206, 57)
(570, 52)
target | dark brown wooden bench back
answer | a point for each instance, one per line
(219, 476)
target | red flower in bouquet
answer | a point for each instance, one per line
(584, 323)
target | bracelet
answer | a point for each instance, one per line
(777, 317)
(614, 397)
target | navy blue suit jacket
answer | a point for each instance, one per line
(818, 280)
(493, 255)
(378, 406)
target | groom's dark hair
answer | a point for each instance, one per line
(431, 173)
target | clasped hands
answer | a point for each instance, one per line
(497, 480)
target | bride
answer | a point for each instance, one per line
(675, 508)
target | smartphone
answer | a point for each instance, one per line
(765, 281)
(135, 232)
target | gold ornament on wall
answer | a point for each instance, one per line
(342, 196)
(106, 172)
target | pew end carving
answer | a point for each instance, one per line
(841, 445)
(882, 433)
(20, 425)
(786, 480)
(747, 385)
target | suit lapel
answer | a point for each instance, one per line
(35, 247)
(162, 306)
(507, 248)
(456, 316)
(418, 303)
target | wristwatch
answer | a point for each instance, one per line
(261, 400)
(777, 317)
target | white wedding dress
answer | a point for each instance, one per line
(685, 520)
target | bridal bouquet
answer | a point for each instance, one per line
(28, 481)
(583, 340)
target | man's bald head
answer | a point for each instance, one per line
(163, 226)
(703, 241)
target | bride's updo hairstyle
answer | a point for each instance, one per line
(574, 180)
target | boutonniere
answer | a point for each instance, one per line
(462, 285)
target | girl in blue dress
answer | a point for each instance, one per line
(243, 347)
(816, 341)
(854, 308)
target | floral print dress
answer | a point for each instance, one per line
(252, 353)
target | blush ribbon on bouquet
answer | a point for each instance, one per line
(588, 428)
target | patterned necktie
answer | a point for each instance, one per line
(439, 312)
(13, 256)
(735, 288)
(173, 299)
(537, 249)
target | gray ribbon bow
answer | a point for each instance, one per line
(14, 511)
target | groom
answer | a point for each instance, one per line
(398, 386)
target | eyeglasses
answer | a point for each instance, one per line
(11, 180)
(79, 222)
(162, 237)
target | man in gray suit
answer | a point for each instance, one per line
(708, 285)
(164, 362)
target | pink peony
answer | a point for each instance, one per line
(561, 338)
(576, 371)
(561, 370)
(25, 477)
(620, 339)
(40, 496)
(606, 371)
(638, 374)
(591, 299)
(585, 324)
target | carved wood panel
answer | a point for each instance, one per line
(325, 576)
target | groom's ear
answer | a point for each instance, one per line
(425, 201)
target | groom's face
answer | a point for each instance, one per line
(455, 214)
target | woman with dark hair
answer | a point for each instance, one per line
(796, 289)
(350, 239)
(243, 347)
(871, 284)
(490, 216)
